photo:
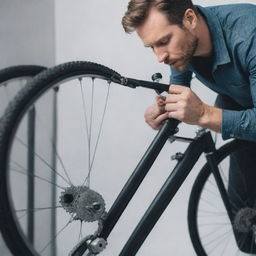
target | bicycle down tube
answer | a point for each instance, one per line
(164, 196)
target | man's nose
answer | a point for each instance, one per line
(162, 56)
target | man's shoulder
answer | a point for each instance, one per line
(237, 20)
(231, 7)
(231, 14)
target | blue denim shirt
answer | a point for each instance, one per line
(233, 32)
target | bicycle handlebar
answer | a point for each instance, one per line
(133, 83)
(170, 124)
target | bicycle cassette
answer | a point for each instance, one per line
(86, 204)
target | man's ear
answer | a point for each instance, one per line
(190, 19)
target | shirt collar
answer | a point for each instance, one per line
(221, 55)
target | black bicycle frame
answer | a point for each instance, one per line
(199, 145)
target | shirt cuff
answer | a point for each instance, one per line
(180, 78)
(230, 124)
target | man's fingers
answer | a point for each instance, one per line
(170, 107)
(159, 120)
(173, 114)
(177, 89)
(172, 98)
(160, 100)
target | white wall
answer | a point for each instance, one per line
(26, 37)
(27, 32)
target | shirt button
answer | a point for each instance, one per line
(232, 135)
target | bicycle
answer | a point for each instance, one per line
(80, 204)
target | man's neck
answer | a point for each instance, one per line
(205, 47)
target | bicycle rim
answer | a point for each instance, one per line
(36, 183)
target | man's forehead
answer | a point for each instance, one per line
(155, 27)
(153, 39)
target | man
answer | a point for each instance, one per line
(218, 45)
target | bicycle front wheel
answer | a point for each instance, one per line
(49, 199)
(210, 228)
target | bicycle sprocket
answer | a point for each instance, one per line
(84, 203)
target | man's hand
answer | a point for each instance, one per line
(156, 113)
(183, 104)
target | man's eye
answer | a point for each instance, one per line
(164, 42)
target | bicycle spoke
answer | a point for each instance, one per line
(212, 232)
(226, 245)
(212, 192)
(91, 114)
(25, 211)
(37, 209)
(80, 231)
(213, 213)
(91, 157)
(54, 238)
(232, 187)
(35, 176)
(101, 125)
(215, 223)
(57, 154)
(219, 238)
(22, 216)
(44, 161)
(24, 172)
(85, 122)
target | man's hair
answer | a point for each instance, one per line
(137, 12)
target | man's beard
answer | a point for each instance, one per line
(190, 50)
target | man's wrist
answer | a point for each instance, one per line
(211, 118)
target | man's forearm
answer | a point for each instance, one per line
(211, 118)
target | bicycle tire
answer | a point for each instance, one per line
(197, 222)
(27, 97)
(11, 75)
(19, 71)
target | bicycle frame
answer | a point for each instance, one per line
(201, 144)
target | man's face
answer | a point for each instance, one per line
(172, 44)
